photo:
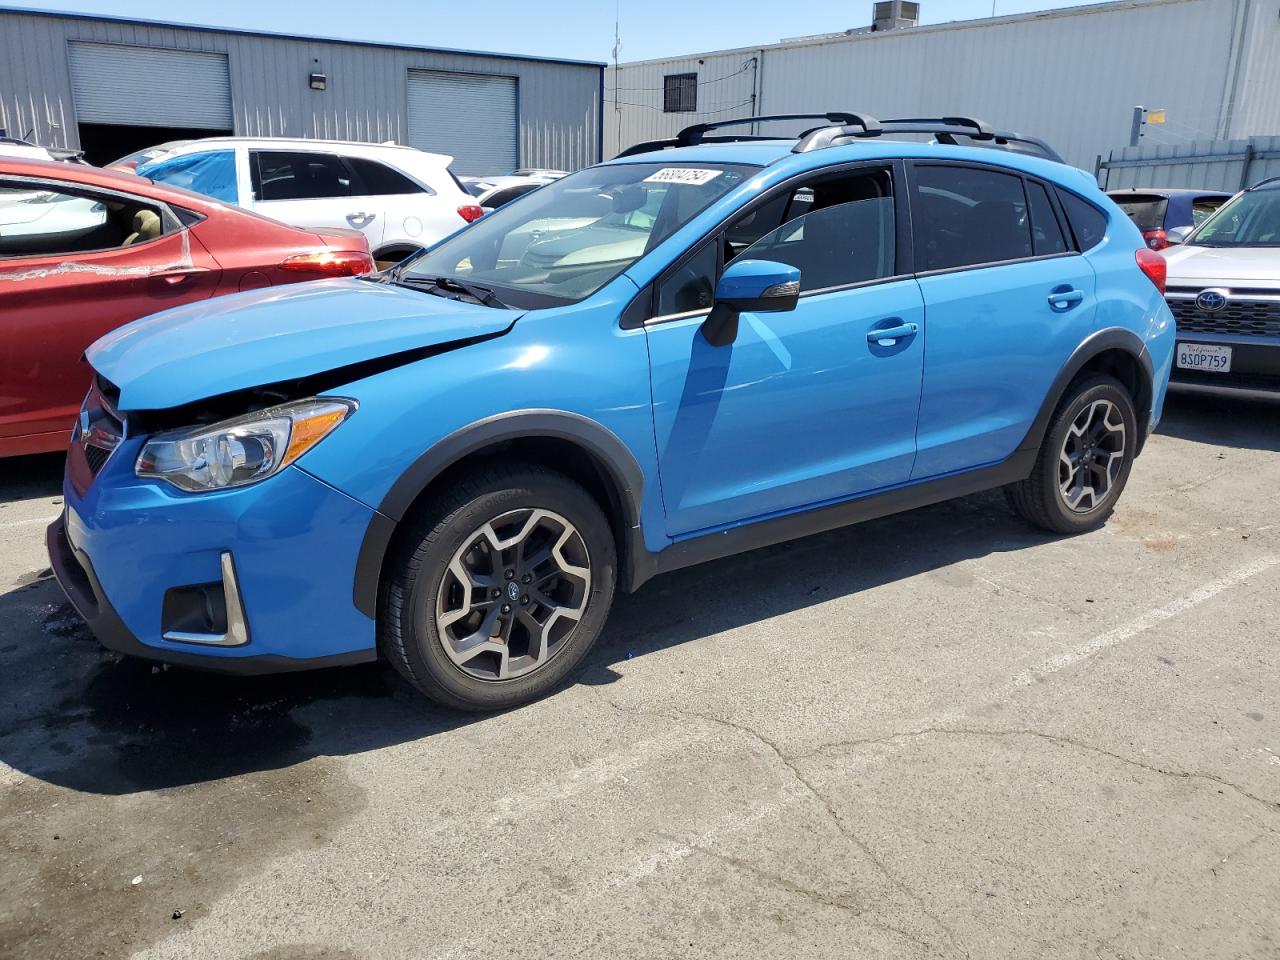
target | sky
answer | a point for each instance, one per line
(573, 29)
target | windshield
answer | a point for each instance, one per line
(1250, 220)
(566, 240)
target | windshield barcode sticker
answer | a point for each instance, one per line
(692, 176)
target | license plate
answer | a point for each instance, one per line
(1205, 357)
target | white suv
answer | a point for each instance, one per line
(400, 198)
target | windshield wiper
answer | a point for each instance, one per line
(481, 295)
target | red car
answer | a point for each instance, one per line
(83, 251)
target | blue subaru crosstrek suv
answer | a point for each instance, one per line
(701, 347)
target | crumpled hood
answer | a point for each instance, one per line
(1210, 266)
(280, 333)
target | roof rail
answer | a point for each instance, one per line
(696, 134)
(943, 129)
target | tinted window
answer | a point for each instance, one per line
(690, 286)
(288, 175)
(1088, 223)
(35, 221)
(966, 216)
(1146, 211)
(1045, 229)
(374, 179)
(212, 173)
(502, 197)
(837, 230)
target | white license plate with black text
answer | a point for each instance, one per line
(1205, 357)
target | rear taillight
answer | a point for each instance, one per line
(330, 263)
(1153, 265)
(1156, 239)
(471, 212)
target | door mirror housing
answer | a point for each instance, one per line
(756, 286)
(1178, 234)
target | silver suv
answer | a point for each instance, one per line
(1224, 290)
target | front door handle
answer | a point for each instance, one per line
(177, 275)
(1064, 298)
(888, 336)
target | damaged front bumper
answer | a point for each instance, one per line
(251, 580)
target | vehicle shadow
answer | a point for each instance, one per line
(22, 478)
(1250, 422)
(78, 716)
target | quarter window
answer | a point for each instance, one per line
(298, 175)
(966, 216)
(1088, 223)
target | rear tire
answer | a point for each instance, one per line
(1084, 459)
(498, 589)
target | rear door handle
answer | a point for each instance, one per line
(888, 336)
(361, 218)
(1064, 298)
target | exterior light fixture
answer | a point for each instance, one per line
(319, 81)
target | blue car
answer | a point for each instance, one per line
(701, 347)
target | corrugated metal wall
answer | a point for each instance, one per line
(366, 97)
(1071, 76)
(1204, 164)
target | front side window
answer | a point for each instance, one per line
(38, 221)
(1251, 219)
(212, 173)
(567, 239)
(298, 175)
(966, 216)
(843, 235)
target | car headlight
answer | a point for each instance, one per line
(242, 450)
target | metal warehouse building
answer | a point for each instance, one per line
(111, 86)
(1071, 76)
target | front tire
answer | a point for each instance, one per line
(1084, 459)
(498, 589)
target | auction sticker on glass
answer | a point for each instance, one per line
(692, 176)
(1207, 357)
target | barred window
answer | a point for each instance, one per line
(680, 93)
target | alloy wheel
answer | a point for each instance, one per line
(512, 594)
(1092, 455)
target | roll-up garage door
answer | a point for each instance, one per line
(471, 118)
(143, 86)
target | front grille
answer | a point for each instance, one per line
(1257, 318)
(98, 431)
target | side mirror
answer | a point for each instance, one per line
(1178, 234)
(756, 286)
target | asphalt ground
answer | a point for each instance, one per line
(941, 734)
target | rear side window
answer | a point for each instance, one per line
(1205, 207)
(966, 216)
(36, 221)
(298, 175)
(1088, 223)
(374, 179)
(1046, 231)
(1145, 210)
(212, 173)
